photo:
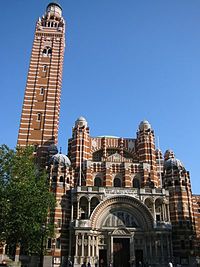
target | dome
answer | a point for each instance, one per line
(81, 121)
(54, 10)
(60, 159)
(173, 163)
(144, 125)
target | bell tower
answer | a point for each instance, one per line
(41, 106)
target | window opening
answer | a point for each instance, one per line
(39, 117)
(41, 90)
(44, 68)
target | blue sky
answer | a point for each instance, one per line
(125, 61)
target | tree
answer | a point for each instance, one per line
(25, 199)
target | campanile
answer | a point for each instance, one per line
(41, 106)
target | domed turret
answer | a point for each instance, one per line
(60, 159)
(81, 121)
(171, 162)
(54, 10)
(144, 126)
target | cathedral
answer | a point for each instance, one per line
(121, 202)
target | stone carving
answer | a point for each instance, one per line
(122, 191)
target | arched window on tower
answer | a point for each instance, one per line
(41, 90)
(47, 51)
(98, 181)
(117, 182)
(136, 183)
(39, 116)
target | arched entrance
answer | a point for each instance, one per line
(122, 222)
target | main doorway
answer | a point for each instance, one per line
(138, 257)
(121, 252)
(103, 258)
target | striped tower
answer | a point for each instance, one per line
(41, 107)
(177, 181)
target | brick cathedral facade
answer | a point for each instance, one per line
(120, 201)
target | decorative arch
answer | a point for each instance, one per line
(141, 214)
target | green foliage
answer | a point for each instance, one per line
(25, 199)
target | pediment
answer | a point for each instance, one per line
(116, 157)
(121, 231)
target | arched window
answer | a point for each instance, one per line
(58, 243)
(41, 90)
(136, 183)
(98, 181)
(47, 51)
(83, 208)
(54, 179)
(117, 182)
(39, 116)
(61, 179)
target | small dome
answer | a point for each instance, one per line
(173, 163)
(52, 149)
(54, 10)
(81, 121)
(60, 159)
(144, 125)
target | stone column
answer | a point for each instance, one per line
(78, 209)
(72, 212)
(111, 249)
(82, 246)
(89, 247)
(89, 208)
(76, 250)
(168, 214)
(93, 244)
(154, 211)
(97, 248)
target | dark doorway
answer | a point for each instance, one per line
(102, 258)
(138, 257)
(121, 252)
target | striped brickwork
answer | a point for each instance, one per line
(41, 106)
